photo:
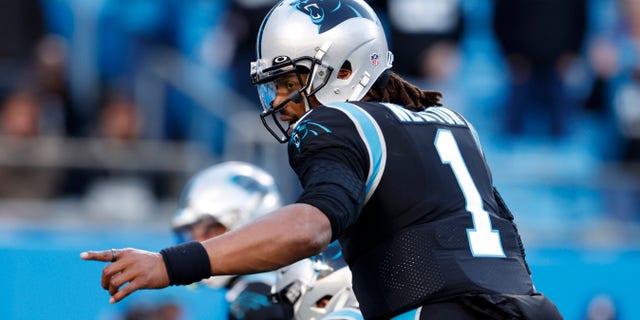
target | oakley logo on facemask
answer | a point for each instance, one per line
(329, 13)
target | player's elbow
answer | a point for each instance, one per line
(314, 230)
(314, 242)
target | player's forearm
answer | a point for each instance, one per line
(291, 233)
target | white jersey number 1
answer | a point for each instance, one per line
(483, 240)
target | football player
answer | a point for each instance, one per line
(219, 199)
(398, 179)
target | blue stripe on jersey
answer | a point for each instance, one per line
(409, 315)
(344, 314)
(373, 139)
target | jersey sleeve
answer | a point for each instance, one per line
(331, 161)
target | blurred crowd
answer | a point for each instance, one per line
(101, 98)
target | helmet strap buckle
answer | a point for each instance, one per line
(323, 50)
(364, 81)
(318, 63)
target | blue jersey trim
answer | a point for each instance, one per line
(344, 314)
(373, 139)
(409, 315)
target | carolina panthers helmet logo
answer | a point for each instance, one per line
(329, 13)
(303, 129)
(249, 184)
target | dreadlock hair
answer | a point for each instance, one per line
(391, 87)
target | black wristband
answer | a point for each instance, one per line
(186, 263)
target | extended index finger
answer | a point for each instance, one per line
(105, 255)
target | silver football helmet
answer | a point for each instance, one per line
(230, 194)
(315, 286)
(233, 193)
(318, 37)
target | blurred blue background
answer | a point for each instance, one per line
(108, 107)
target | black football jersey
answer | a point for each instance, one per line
(411, 200)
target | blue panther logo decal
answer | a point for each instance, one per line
(330, 13)
(250, 184)
(303, 129)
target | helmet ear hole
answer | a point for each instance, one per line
(346, 65)
(345, 71)
(323, 302)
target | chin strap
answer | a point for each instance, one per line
(379, 84)
(364, 81)
(315, 72)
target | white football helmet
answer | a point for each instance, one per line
(233, 193)
(318, 37)
(315, 286)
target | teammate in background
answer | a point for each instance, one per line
(219, 199)
(318, 287)
(400, 181)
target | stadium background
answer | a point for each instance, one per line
(72, 186)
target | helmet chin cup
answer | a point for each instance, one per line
(277, 128)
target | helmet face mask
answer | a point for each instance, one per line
(284, 78)
(321, 37)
